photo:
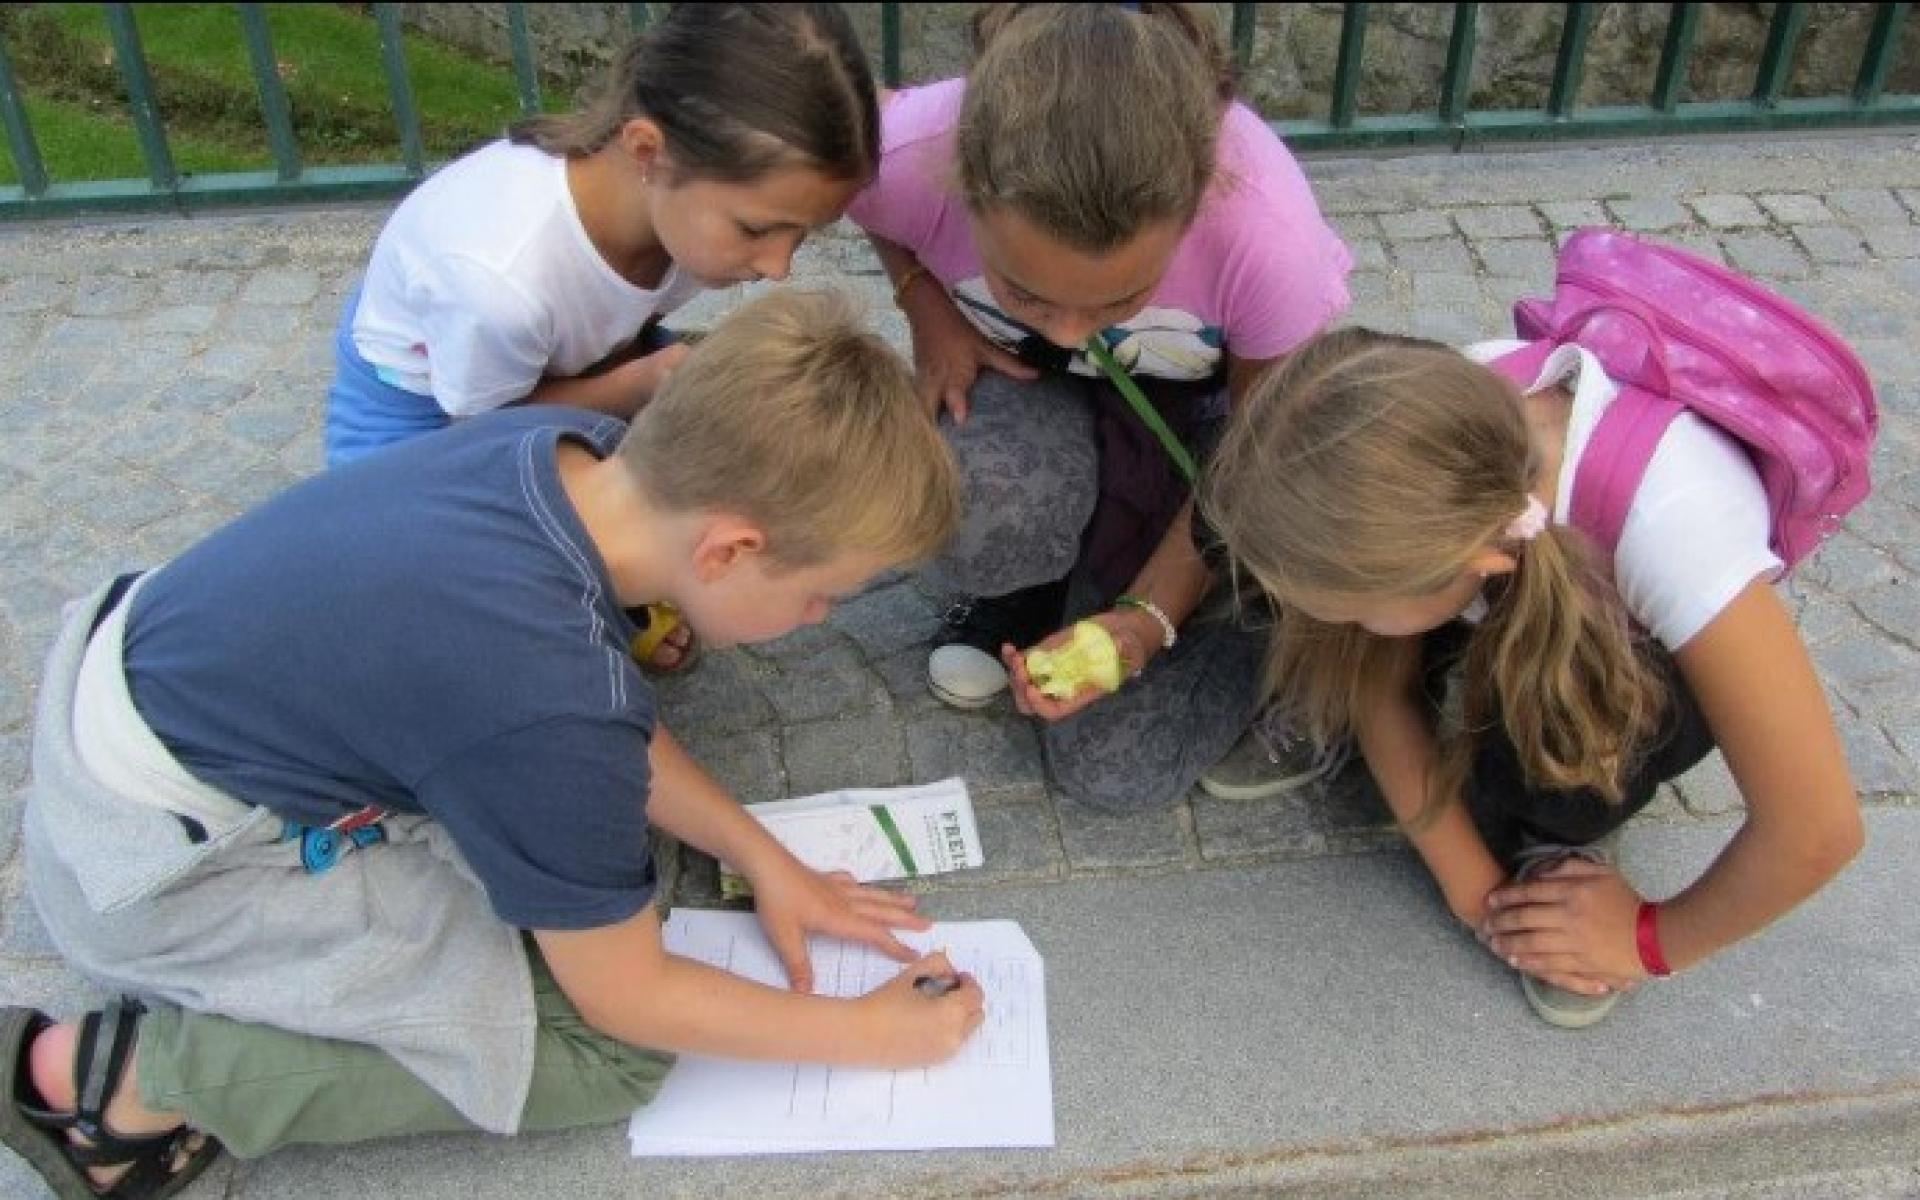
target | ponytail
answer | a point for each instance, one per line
(738, 90)
(1559, 659)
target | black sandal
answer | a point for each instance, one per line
(38, 1135)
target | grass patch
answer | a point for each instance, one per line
(329, 63)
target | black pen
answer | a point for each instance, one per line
(936, 985)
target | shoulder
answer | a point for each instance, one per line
(488, 205)
(915, 115)
(1697, 532)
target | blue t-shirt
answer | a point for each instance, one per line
(429, 630)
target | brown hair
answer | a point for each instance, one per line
(1091, 120)
(793, 416)
(1374, 466)
(738, 90)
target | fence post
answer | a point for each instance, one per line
(273, 93)
(13, 111)
(393, 57)
(146, 112)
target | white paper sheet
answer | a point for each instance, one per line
(997, 1092)
(874, 833)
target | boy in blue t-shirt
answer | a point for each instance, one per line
(305, 787)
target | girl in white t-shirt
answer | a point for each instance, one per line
(1405, 510)
(536, 268)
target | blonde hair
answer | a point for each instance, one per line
(738, 90)
(793, 416)
(1377, 467)
(1092, 121)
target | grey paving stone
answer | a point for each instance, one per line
(747, 762)
(1414, 226)
(1765, 254)
(1797, 210)
(1442, 256)
(18, 333)
(1831, 243)
(720, 695)
(181, 318)
(1369, 286)
(1846, 565)
(1368, 255)
(196, 287)
(88, 335)
(238, 360)
(831, 684)
(1018, 841)
(110, 296)
(1892, 241)
(33, 293)
(15, 744)
(289, 285)
(887, 619)
(808, 641)
(1872, 674)
(1498, 221)
(228, 471)
(1574, 214)
(121, 502)
(1353, 227)
(1650, 213)
(37, 439)
(1098, 841)
(1346, 815)
(1728, 212)
(265, 325)
(1890, 526)
(993, 751)
(141, 359)
(1864, 205)
(1454, 327)
(1903, 731)
(904, 674)
(265, 421)
(1530, 260)
(1877, 768)
(862, 751)
(1432, 292)
(198, 395)
(163, 540)
(16, 701)
(1895, 608)
(1709, 789)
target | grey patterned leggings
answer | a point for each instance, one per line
(1029, 462)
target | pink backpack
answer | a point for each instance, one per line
(1679, 333)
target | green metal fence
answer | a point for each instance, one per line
(1452, 122)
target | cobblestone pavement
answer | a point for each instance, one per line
(158, 377)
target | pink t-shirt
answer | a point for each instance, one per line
(1258, 273)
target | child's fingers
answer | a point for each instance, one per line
(790, 947)
(1007, 364)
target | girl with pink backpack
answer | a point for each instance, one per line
(1533, 581)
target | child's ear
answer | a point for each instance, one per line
(644, 143)
(1492, 562)
(724, 542)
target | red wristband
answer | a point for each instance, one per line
(1646, 935)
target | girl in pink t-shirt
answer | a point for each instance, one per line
(1093, 181)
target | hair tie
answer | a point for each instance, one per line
(1530, 522)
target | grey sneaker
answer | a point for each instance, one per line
(1270, 759)
(1554, 1005)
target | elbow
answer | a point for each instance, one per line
(1828, 848)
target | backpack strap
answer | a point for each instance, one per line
(1617, 452)
(1143, 408)
(1615, 461)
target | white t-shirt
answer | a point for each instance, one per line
(484, 281)
(1696, 533)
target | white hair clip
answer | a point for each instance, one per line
(1530, 522)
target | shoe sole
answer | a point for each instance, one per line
(1560, 1018)
(1257, 791)
(955, 700)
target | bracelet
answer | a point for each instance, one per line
(1168, 635)
(912, 277)
(1646, 935)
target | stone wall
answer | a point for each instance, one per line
(1291, 72)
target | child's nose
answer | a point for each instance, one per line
(1070, 333)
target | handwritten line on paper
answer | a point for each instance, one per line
(997, 1092)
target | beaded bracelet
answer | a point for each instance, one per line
(1168, 635)
(907, 281)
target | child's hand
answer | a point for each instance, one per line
(948, 352)
(1134, 652)
(648, 373)
(913, 1029)
(1571, 925)
(794, 902)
